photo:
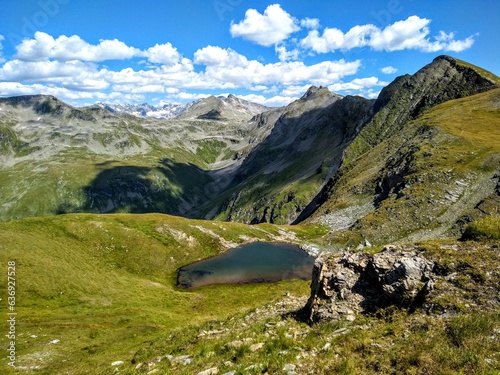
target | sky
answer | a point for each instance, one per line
(269, 52)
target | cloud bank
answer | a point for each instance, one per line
(81, 72)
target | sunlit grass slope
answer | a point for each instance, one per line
(104, 285)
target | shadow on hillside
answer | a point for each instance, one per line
(303, 149)
(299, 137)
(169, 187)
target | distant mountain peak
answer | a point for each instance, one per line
(213, 114)
(223, 108)
(314, 92)
(145, 110)
(311, 91)
(445, 57)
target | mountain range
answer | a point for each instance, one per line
(238, 107)
(100, 206)
(165, 111)
(229, 159)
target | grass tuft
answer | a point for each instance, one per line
(487, 228)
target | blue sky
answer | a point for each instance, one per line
(270, 52)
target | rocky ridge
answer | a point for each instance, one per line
(422, 178)
(408, 96)
(222, 108)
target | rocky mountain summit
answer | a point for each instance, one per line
(408, 96)
(222, 108)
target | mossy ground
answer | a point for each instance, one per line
(487, 228)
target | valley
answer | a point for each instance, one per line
(99, 209)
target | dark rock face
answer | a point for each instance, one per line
(408, 96)
(345, 284)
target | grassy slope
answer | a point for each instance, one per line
(480, 70)
(50, 164)
(280, 192)
(459, 333)
(47, 187)
(456, 332)
(456, 141)
(104, 284)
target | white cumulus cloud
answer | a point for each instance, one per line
(54, 71)
(271, 27)
(255, 73)
(310, 23)
(217, 56)
(64, 48)
(448, 42)
(72, 69)
(412, 33)
(389, 70)
(285, 55)
(368, 87)
(274, 101)
(163, 54)
(68, 95)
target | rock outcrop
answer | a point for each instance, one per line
(345, 284)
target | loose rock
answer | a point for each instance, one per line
(210, 371)
(255, 347)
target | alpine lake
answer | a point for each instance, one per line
(251, 263)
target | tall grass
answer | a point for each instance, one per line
(487, 228)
